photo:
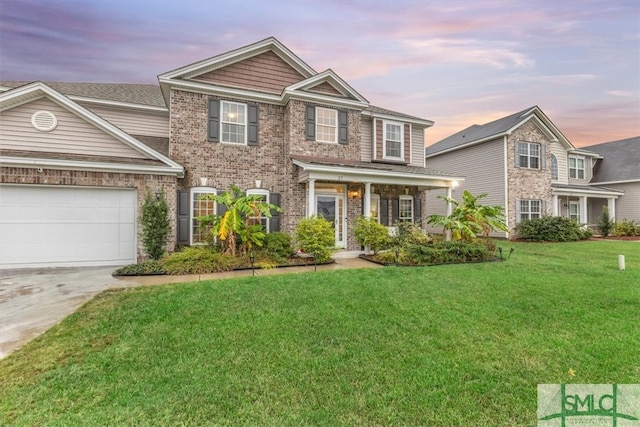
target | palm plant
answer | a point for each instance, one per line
(241, 220)
(469, 218)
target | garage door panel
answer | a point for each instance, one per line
(63, 226)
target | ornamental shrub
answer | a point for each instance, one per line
(551, 229)
(277, 245)
(155, 225)
(316, 235)
(626, 228)
(197, 260)
(444, 252)
(149, 267)
(605, 224)
(370, 233)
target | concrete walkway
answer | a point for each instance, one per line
(32, 301)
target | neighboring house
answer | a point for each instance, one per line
(525, 164)
(77, 158)
(618, 169)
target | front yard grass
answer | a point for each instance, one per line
(447, 345)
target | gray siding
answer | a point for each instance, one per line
(628, 206)
(134, 122)
(417, 146)
(483, 168)
(561, 154)
(73, 135)
(366, 138)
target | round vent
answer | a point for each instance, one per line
(44, 121)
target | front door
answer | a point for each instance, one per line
(331, 208)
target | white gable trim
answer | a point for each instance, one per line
(333, 79)
(222, 60)
(36, 90)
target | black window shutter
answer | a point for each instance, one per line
(220, 209)
(274, 221)
(395, 210)
(214, 120)
(384, 211)
(417, 210)
(543, 208)
(253, 125)
(343, 127)
(183, 224)
(310, 123)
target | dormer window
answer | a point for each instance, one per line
(393, 143)
(576, 167)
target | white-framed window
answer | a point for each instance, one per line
(554, 167)
(375, 207)
(201, 205)
(393, 141)
(326, 125)
(265, 198)
(576, 167)
(405, 209)
(574, 211)
(234, 122)
(530, 209)
(528, 155)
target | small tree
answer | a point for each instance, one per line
(155, 225)
(241, 220)
(316, 236)
(605, 223)
(469, 218)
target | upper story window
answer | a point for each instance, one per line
(554, 167)
(264, 194)
(393, 144)
(405, 211)
(528, 155)
(201, 205)
(326, 125)
(576, 167)
(234, 122)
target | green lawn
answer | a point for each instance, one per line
(449, 345)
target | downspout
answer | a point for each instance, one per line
(506, 183)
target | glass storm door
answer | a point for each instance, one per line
(331, 208)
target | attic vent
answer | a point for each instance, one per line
(44, 121)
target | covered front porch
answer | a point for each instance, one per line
(340, 191)
(584, 204)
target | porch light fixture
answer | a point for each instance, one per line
(354, 194)
(454, 184)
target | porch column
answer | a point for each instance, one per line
(583, 210)
(554, 205)
(367, 200)
(449, 210)
(311, 194)
(611, 204)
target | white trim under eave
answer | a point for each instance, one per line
(118, 104)
(323, 99)
(363, 174)
(545, 129)
(207, 89)
(592, 193)
(424, 122)
(327, 76)
(615, 182)
(90, 166)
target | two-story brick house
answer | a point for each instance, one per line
(525, 164)
(257, 117)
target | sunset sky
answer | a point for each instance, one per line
(454, 62)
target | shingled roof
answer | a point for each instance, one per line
(475, 133)
(141, 94)
(621, 160)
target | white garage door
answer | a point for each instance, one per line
(66, 226)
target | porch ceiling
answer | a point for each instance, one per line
(345, 171)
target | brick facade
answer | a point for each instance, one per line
(526, 183)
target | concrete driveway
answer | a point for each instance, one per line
(32, 301)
